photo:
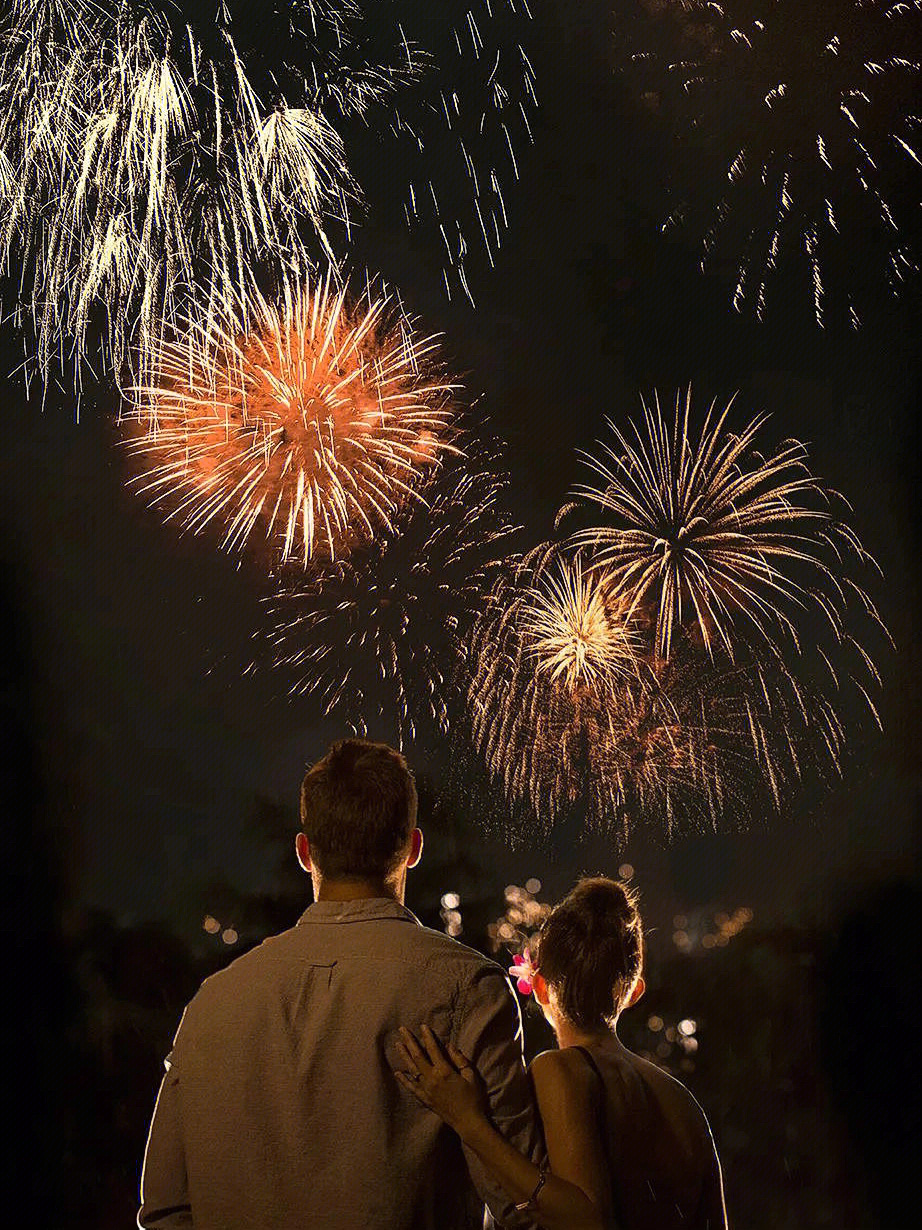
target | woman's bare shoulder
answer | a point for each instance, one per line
(673, 1093)
(565, 1064)
(654, 1074)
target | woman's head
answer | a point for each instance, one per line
(590, 952)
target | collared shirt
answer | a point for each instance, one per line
(279, 1109)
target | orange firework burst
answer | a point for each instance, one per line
(307, 424)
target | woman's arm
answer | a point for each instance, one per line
(567, 1090)
(446, 1083)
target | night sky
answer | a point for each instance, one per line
(144, 750)
(154, 749)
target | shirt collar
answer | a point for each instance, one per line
(363, 909)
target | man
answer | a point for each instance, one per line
(279, 1109)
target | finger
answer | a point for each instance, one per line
(434, 1049)
(458, 1059)
(462, 1063)
(406, 1057)
(412, 1086)
(420, 1059)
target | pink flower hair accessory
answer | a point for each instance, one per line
(523, 972)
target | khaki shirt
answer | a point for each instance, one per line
(279, 1109)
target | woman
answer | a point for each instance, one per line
(627, 1145)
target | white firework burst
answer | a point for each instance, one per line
(149, 176)
(151, 164)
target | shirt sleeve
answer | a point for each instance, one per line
(487, 1028)
(165, 1203)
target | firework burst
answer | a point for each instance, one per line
(605, 734)
(307, 424)
(148, 173)
(544, 655)
(820, 106)
(152, 163)
(378, 637)
(707, 529)
(702, 741)
(692, 741)
(573, 629)
(698, 657)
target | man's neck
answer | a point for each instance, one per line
(357, 889)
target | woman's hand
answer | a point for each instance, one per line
(442, 1080)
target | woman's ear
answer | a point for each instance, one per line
(639, 987)
(539, 989)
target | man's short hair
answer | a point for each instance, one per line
(358, 809)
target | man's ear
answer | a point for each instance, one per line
(416, 847)
(539, 989)
(303, 851)
(639, 987)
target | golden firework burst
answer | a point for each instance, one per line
(571, 625)
(707, 530)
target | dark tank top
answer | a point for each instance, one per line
(652, 1209)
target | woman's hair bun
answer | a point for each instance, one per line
(590, 949)
(607, 901)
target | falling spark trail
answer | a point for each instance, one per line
(378, 637)
(821, 104)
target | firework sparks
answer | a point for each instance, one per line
(703, 741)
(699, 654)
(538, 701)
(380, 635)
(610, 747)
(148, 172)
(445, 98)
(689, 741)
(460, 134)
(150, 163)
(820, 103)
(308, 424)
(707, 528)
(572, 628)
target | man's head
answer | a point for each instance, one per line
(358, 816)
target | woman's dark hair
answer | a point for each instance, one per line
(590, 950)
(358, 809)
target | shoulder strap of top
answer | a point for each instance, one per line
(587, 1054)
(602, 1113)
